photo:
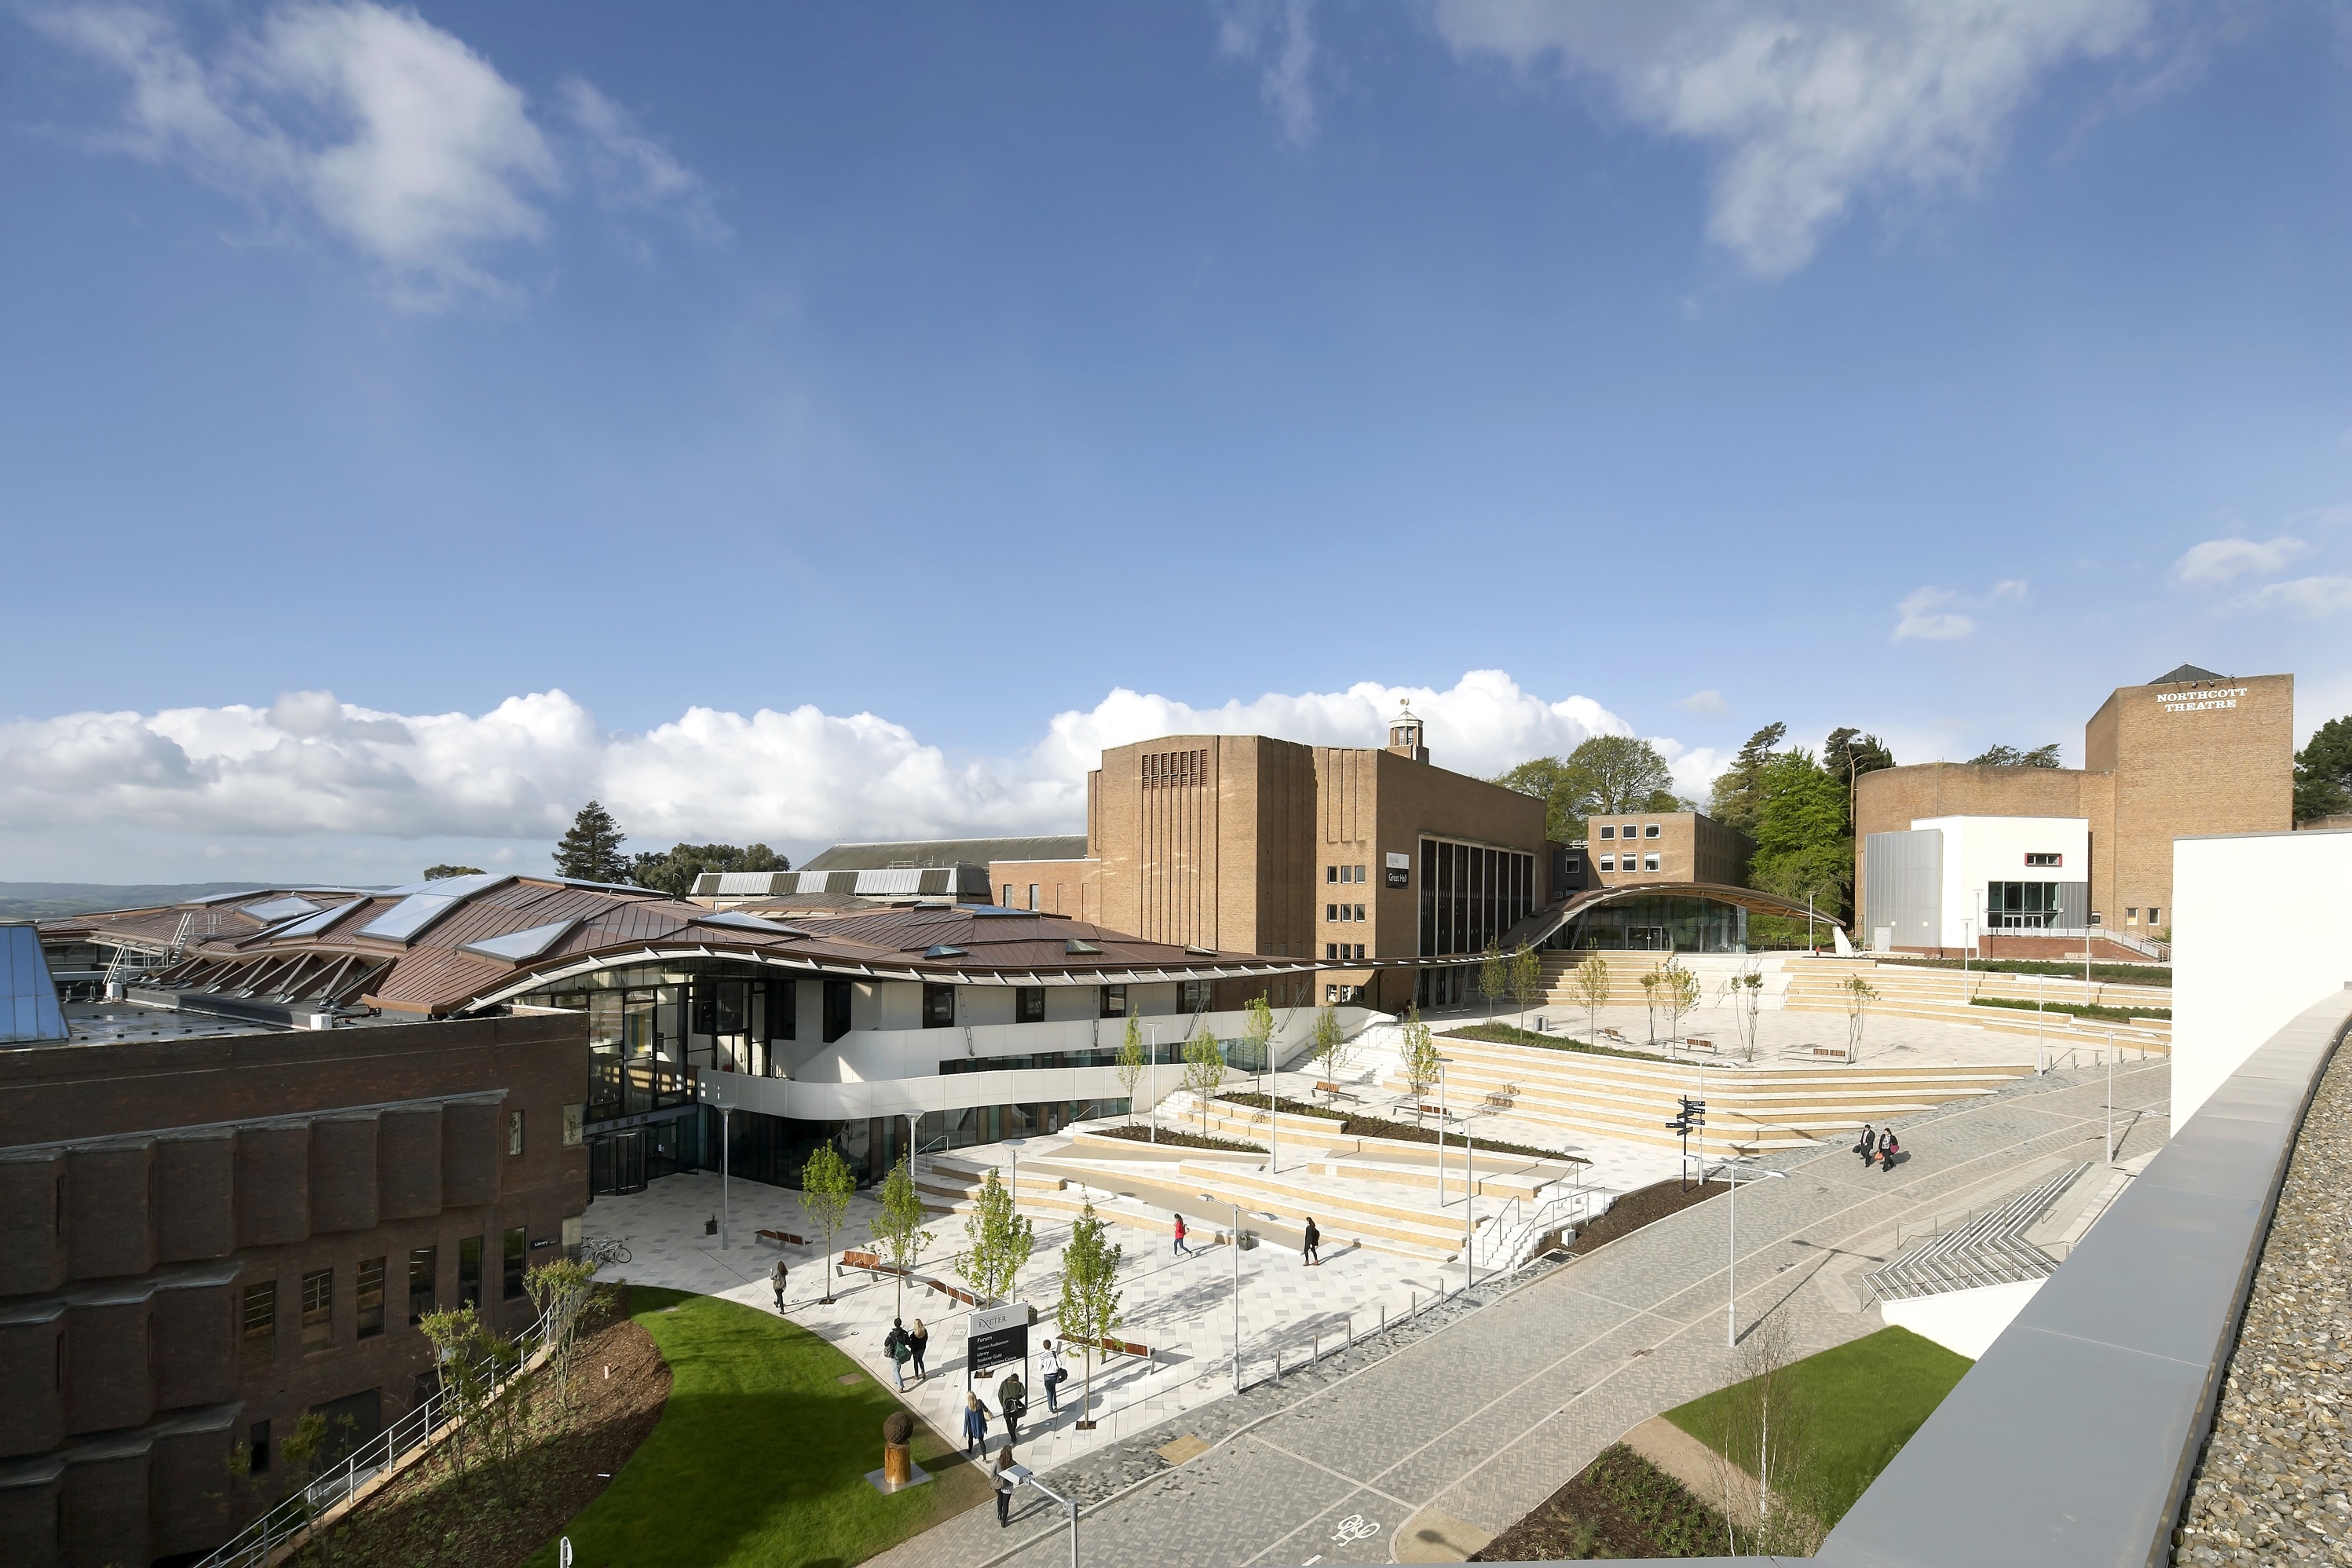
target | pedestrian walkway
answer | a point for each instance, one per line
(1477, 1423)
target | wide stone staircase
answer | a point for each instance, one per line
(1990, 1249)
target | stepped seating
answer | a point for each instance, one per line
(1989, 1250)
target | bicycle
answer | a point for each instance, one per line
(600, 1250)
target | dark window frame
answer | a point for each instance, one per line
(939, 1006)
(368, 1300)
(514, 1260)
(1028, 1004)
(318, 1310)
(424, 1283)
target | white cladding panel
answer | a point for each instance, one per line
(1982, 850)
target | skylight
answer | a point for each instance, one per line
(272, 911)
(1076, 946)
(317, 922)
(741, 922)
(517, 946)
(944, 951)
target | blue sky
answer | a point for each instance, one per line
(829, 420)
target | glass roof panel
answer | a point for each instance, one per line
(516, 947)
(746, 922)
(412, 914)
(29, 998)
(317, 922)
(276, 909)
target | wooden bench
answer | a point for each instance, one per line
(953, 1293)
(1336, 1092)
(780, 1238)
(1501, 1099)
(1125, 1347)
(1696, 1044)
(1837, 1051)
(1611, 1033)
(867, 1261)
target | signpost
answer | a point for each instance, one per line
(1691, 1113)
(995, 1335)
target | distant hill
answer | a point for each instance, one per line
(49, 900)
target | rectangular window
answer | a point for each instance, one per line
(469, 1271)
(257, 1448)
(518, 1247)
(2131, 914)
(318, 1309)
(1330, 995)
(1608, 832)
(2032, 859)
(1359, 912)
(1650, 831)
(261, 1323)
(1649, 862)
(939, 1007)
(514, 1131)
(783, 1009)
(371, 1298)
(1360, 950)
(1330, 912)
(1114, 1002)
(1192, 995)
(1574, 866)
(1029, 1004)
(1359, 875)
(836, 1009)
(1033, 898)
(423, 1266)
(1006, 902)
(1331, 873)
(2151, 914)
(1608, 862)
(1331, 951)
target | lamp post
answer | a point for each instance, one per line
(1237, 1290)
(1731, 1298)
(1441, 1132)
(2111, 1096)
(1152, 1081)
(711, 1094)
(1022, 1476)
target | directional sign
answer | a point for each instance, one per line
(996, 1336)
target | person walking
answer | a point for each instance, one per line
(776, 1277)
(1181, 1251)
(975, 1427)
(1888, 1152)
(1050, 1369)
(1013, 1400)
(894, 1346)
(1311, 1250)
(919, 1340)
(1866, 1145)
(1004, 1483)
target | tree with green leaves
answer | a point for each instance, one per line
(1527, 979)
(826, 1186)
(1205, 1069)
(1678, 992)
(674, 871)
(1746, 996)
(1417, 1058)
(1604, 774)
(1494, 976)
(2010, 757)
(1330, 1044)
(467, 1356)
(1802, 846)
(591, 851)
(436, 873)
(898, 1226)
(1132, 1061)
(2323, 772)
(1090, 1299)
(1650, 1001)
(1257, 1030)
(1738, 789)
(562, 1292)
(997, 1242)
(1848, 754)
(1592, 990)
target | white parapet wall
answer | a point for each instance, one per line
(2261, 929)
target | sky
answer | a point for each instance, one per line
(792, 424)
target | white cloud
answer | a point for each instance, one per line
(1706, 704)
(1278, 33)
(632, 170)
(1925, 618)
(2316, 597)
(393, 135)
(311, 768)
(2219, 560)
(1808, 104)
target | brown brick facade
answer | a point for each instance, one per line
(152, 1192)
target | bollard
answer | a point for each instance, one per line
(1315, 1355)
(1352, 1330)
(1385, 1317)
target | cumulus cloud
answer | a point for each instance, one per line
(309, 765)
(1808, 105)
(391, 134)
(1706, 704)
(1279, 36)
(2219, 560)
(1933, 614)
(2315, 597)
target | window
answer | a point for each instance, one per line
(2151, 914)
(261, 1322)
(2015, 906)
(1330, 996)
(1029, 1004)
(2035, 859)
(1007, 900)
(1033, 897)
(1650, 831)
(1360, 949)
(2131, 915)
(514, 1131)
(1360, 874)
(1192, 995)
(1649, 862)
(256, 1447)
(939, 1007)
(1331, 873)
(423, 1266)
(1330, 912)
(1608, 862)
(836, 1009)
(469, 1271)
(1575, 864)
(371, 1298)
(574, 1119)
(1608, 832)
(518, 1247)
(318, 1309)
(1114, 1002)
(1359, 912)
(1632, 829)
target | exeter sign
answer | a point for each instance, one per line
(2196, 702)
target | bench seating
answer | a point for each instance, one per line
(780, 1238)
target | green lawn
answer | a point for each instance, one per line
(1866, 1399)
(762, 1454)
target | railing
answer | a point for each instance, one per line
(1510, 1235)
(291, 1520)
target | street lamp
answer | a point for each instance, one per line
(1469, 1175)
(1237, 1290)
(710, 1092)
(1731, 1300)
(1022, 1476)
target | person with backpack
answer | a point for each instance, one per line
(1310, 1250)
(1053, 1372)
(1181, 1251)
(975, 1427)
(919, 1340)
(894, 1346)
(1013, 1399)
(1866, 1145)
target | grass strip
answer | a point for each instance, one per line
(1511, 1034)
(762, 1453)
(2080, 1009)
(1864, 1398)
(2122, 974)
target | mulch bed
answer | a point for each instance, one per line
(1180, 1140)
(1286, 1105)
(1380, 1127)
(1644, 1205)
(1621, 1505)
(423, 1518)
(1511, 1034)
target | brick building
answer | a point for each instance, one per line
(1660, 846)
(2192, 753)
(208, 1230)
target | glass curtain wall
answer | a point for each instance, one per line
(1660, 923)
(1470, 895)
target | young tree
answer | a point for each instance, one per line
(1748, 994)
(562, 1292)
(1592, 990)
(1089, 1308)
(1859, 995)
(1650, 1001)
(1417, 1058)
(591, 851)
(1332, 1047)
(1526, 980)
(897, 1228)
(1493, 977)
(1765, 1449)
(1678, 992)
(997, 1242)
(463, 1352)
(435, 873)
(1205, 1069)
(827, 1185)
(1257, 1033)
(1131, 1063)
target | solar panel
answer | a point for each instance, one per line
(516, 947)
(317, 922)
(272, 911)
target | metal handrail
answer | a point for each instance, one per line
(292, 1518)
(1525, 1232)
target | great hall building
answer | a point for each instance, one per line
(1949, 854)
